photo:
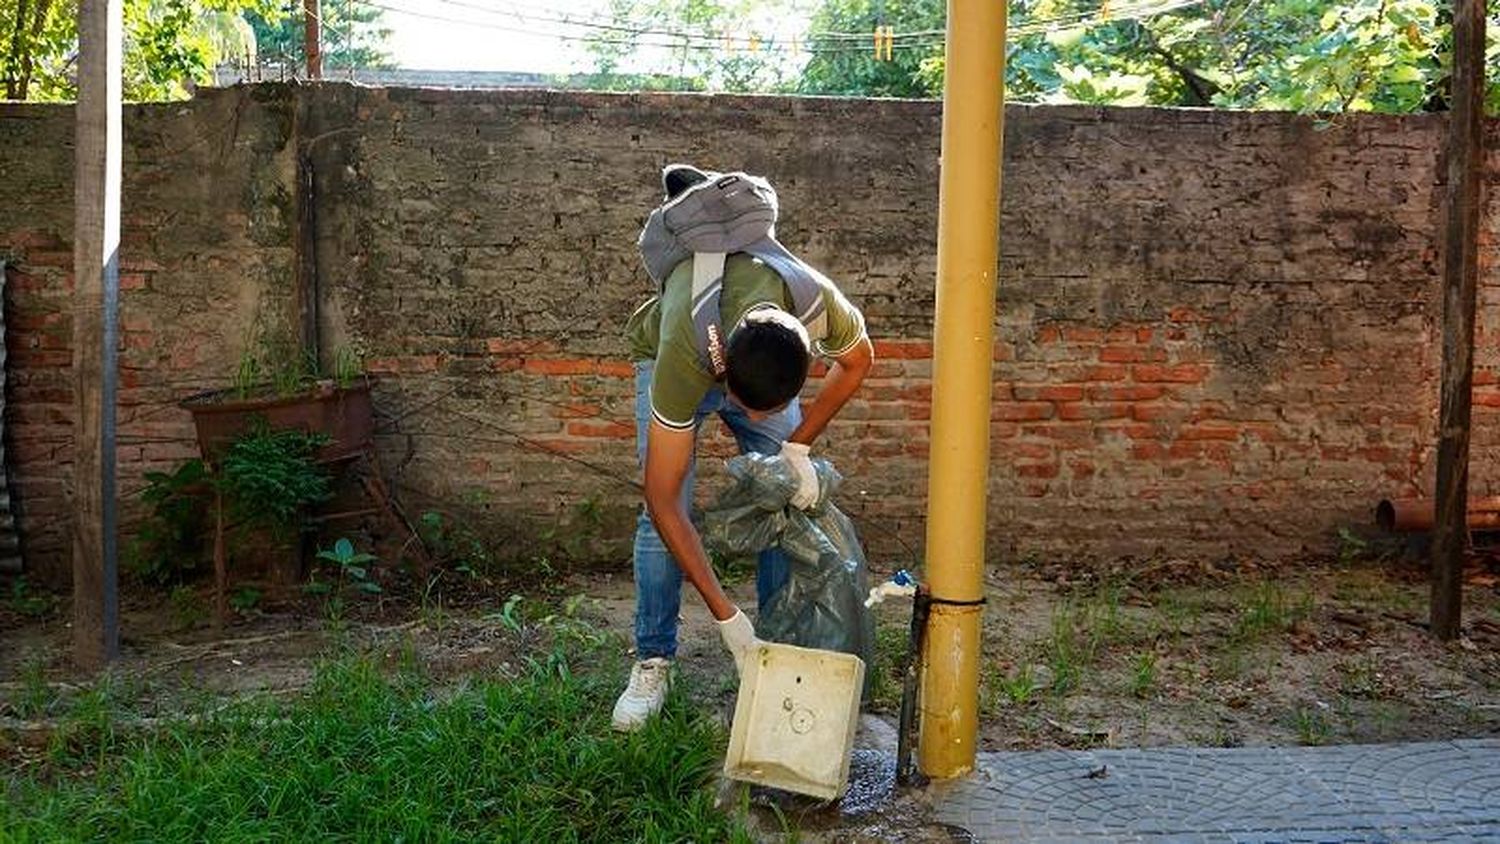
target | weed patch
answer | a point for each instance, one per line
(1268, 608)
(1143, 675)
(1017, 688)
(362, 755)
(1312, 725)
(886, 676)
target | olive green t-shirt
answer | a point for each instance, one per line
(662, 330)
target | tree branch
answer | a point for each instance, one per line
(1201, 89)
(1359, 76)
(13, 88)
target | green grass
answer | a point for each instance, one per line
(29, 602)
(1312, 726)
(999, 688)
(886, 675)
(1270, 608)
(365, 756)
(35, 697)
(1143, 675)
(1180, 613)
(1080, 628)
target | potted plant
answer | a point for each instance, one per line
(276, 385)
(263, 490)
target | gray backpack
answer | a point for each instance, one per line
(727, 213)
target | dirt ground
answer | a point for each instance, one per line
(1152, 653)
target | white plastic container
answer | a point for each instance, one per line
(795, 718)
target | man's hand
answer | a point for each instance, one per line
(739, 638)
(798, 457)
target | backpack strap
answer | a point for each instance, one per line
(708, 289)
(805, 284)
(802, 281)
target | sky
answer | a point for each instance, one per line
(486, 34)
(515, 35)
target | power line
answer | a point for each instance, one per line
(616, 24)
(921, 39)
(1102, 14)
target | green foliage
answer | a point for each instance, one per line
(1352, 547)
(354, 35)
(886, 677)
(732, 570)
(347, 367)
(693, 45)
(168, 543)
(187, 610)
(839, 66)
(510, 614)
(269, 478)
(454, 544)
(1301, 55)
(574, 539)
(26, 601)
(1313, 725)
(1143, 675)
(1017, 688)
(170, 45)
(1268, 608)
(1071, 648)
(36, 697)
(247, 377)
(1081, 629)
(362, 756)
(352, 566)
(245, 599)
(273, 359)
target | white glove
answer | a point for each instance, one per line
(797, 457)
(739, 638)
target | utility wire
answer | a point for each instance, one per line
(522, 11)
(698, 41)
(1102, 14)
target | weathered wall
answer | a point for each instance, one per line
(206, 247)
(1216, 332)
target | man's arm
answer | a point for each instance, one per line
(844, 377)
(669, 455)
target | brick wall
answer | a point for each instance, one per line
(206, 247)
(1216, 332)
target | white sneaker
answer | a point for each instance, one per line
(644, 696)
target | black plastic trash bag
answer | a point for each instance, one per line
(822, 604)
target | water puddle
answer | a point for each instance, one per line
(872, 809)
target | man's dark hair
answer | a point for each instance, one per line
(766, 364)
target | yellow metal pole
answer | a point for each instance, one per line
(962, 366)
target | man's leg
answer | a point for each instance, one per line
(658, 580)
(658, 593)
(772, 568)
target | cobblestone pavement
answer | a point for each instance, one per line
(1429, 791)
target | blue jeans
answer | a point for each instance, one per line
(658, 580)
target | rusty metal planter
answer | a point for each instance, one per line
(343, 414)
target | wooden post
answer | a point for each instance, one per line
(96, 270)
(311, 45)
(1460, 278)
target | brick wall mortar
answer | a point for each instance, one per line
(1216, 332)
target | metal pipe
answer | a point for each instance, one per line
(920, 606)
(1415, 515)
(962, 376)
